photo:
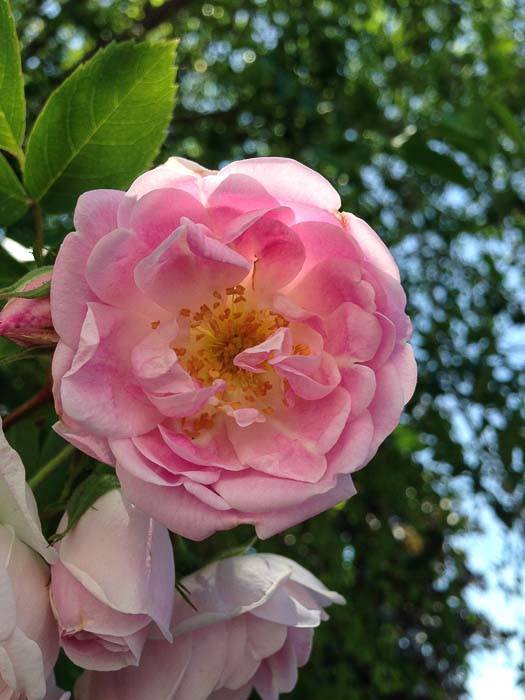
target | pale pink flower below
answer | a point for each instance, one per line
(230, 341)
(113, 582)
(28, 632)
(253, 629)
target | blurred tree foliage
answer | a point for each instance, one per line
(415, 110)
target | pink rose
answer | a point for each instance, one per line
(28, 632)
(28, 322)
(233, 344)
(115, 576)
(253, 629)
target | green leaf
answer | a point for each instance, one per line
(15, 289)
(103, 125)
(86, 494)
(15, 353)
(12, 100)
(238, 551)
(66, 673)
(36, 293)
(13, 199)
(39, 292)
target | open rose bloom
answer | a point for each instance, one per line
(230, 341)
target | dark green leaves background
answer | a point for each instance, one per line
(415, 110)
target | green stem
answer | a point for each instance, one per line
(38, 246)
(50, 467)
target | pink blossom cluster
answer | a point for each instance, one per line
(236, 348)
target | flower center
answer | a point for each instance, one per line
(218, 333)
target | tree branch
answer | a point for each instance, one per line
(39, 398)
(38, 221)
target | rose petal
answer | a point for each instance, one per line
(197, 261)
(136, 546)
(17, 503)
(98, 391)
(159, 213)
(275, 521)
(250, 358)
(70, 292)
(96, 213)
(177, 509)
(286, 180)
(115, 283)
(353, 333)
(278, 251)
(372, 246)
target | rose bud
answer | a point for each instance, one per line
(252, 629)
(250, 339)
(27, 322)
(28, 631)
(115, 577)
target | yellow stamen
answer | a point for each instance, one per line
(209, 344)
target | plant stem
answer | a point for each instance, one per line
(40, 397)
(50, 467)
(38, 246)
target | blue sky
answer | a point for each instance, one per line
(494, 673)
